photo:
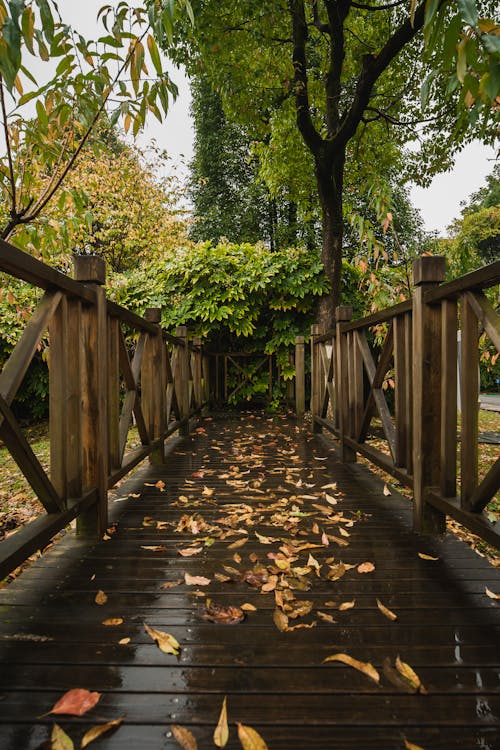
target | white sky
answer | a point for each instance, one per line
(439, 204)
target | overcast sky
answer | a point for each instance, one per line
(439, 204)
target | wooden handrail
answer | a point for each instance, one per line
(96, 384)
(419, 353)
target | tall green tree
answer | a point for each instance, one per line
(347, 76)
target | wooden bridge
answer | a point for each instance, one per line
(253, 546)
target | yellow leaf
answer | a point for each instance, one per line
(324, 616)
(165, 642)
(280, 620)
(412, 746)
(59, 739)
(386, 490)
(365, 667)
(250, 739)
(126, 126)
(427, 557)
(98, 730)
(124, 641)
(184, 737)
(366, 567)
(248, 607)
(196, 580)
(238, 543)
(410, 675)
(113, 621)
(18, 85)
(385, 611)
(347, 605)
(491, 594)
(221, 733)
(100, 598)
(207, 491)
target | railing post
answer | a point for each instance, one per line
(91, 270)
(315, 376)
(343, 314)
(182, 384)
(428, 271)
(154, 385)
(205, 369)
(300, 376)
(197, 372)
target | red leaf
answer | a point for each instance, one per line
(76, 702)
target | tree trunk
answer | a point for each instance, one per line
(330, 181)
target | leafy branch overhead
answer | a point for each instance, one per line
(49, 121)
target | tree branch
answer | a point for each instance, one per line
(337, 14)
(12, 177)
(387, 6)
(325, 28)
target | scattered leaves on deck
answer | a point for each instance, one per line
(99, 730)
(223, 615)
(250, 739)
(184, 737)
(75, 702)
(59, 740)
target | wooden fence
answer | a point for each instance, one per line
(96, 387)
(414, 345)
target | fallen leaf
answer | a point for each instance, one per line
(386, 611)
(412, 746)
(190, 551)
(238, 543)
(271, 584)
(250, 739)
(427, 557)
(280, 620)
(248, 607)
(386, 490)
(59, 740)
(113, 621)
(160, 484)
(395, 678)
(410, 675)
(154, 547)
(134, 494)
(346, 605)
(184, 737)
(336, 572)
(221, 733)
(265, 539)
(124, 641)
(491, 594)
(365, 667)
(324, 539)
(223, 615)
(98, 730)
(100, 598)
(171, 584)
(75, 702)
(331, 500)
(366, 567)
(165, 642)
(207, 491)
(196, 580)
(325, 617)
(301, 626)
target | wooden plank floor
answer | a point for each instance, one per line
(52, 637)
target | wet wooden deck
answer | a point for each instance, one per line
(52, 637)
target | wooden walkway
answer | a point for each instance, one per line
(52, 638)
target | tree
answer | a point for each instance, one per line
(46, 129)
(349, 73)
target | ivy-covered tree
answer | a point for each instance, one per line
(349, 75)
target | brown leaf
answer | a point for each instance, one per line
(223, 615)
(165, 642)
(386, 611)
(491, 594)
(248, 607)
(324, 539)
(325, 617)
(336, 572)
(98, 730)
(271, 584)
(75, 702)
(100, 598)
(124, 641)
(347, 605)
(298, 609)
(160, 484)
(196, 580)
(59, 740)
(190, 551)
(366, 567)
(280, 620)
(184, 737)
(113, 621)
(301, 626)
(423, 556)
(238, 543)
(410, 675)
(387, 491)
(221, 733)
(365, 667)
(207, 491)
(171, 584)
(250, 739)
(154, 547)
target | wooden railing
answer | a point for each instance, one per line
(410, 352)
(97, 388)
